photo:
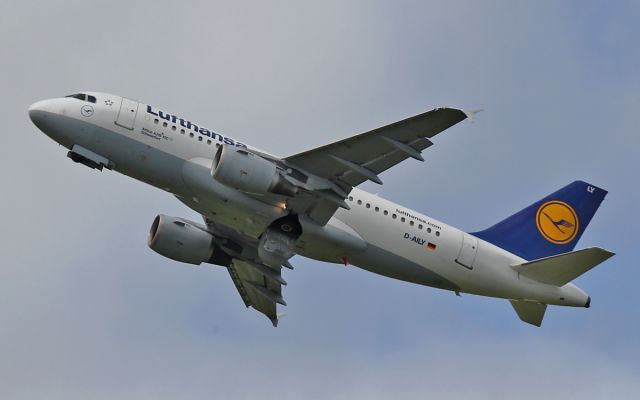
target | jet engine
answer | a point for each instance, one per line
(184, 241)
(249, 173)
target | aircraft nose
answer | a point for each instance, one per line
(38, 112)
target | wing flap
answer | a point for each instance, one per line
(561, 269)
(258, 290)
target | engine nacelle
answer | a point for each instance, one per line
(248, 172)
(181, 240)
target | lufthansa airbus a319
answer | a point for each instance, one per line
(260, 210)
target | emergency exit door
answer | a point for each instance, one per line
(127, 114)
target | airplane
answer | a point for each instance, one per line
(260, 210)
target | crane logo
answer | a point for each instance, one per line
(557, 222)
(86, 110)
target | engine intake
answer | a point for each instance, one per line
(183, 241)
(250, 173)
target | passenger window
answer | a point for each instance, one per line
(208, 141)
(181, 130)
(368, 205)
(350, 198)
(411, 223)
(428, 230)
(377, 209)
(199, 138)
(402, 219)
(394, 216)
(173, 127)
(420, 226)
(386, 212)
(155, 121)
(359, 202)
(164, 124)
(190, 134)
(437, 233)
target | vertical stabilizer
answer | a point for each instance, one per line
(549, 226)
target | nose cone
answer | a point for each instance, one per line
(39, 111)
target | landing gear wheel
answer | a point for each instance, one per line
(288, 225)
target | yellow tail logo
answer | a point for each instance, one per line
(557, 222)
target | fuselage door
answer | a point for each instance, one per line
(127, 115)
(468, 251)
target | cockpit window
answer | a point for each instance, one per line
(83, 97)
(79, 96)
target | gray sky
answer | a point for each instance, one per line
(87, 311)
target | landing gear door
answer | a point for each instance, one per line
(127, 115)
(468, 251)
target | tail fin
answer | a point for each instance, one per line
(550, 226)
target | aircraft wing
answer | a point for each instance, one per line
(364, 156)
(349, 162)
(259, 286)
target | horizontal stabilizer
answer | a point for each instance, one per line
(531, 313)
(563, 268)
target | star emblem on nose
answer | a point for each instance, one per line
(108, 102)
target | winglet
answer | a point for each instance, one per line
(471, 114)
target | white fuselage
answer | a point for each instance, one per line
(157, 148)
